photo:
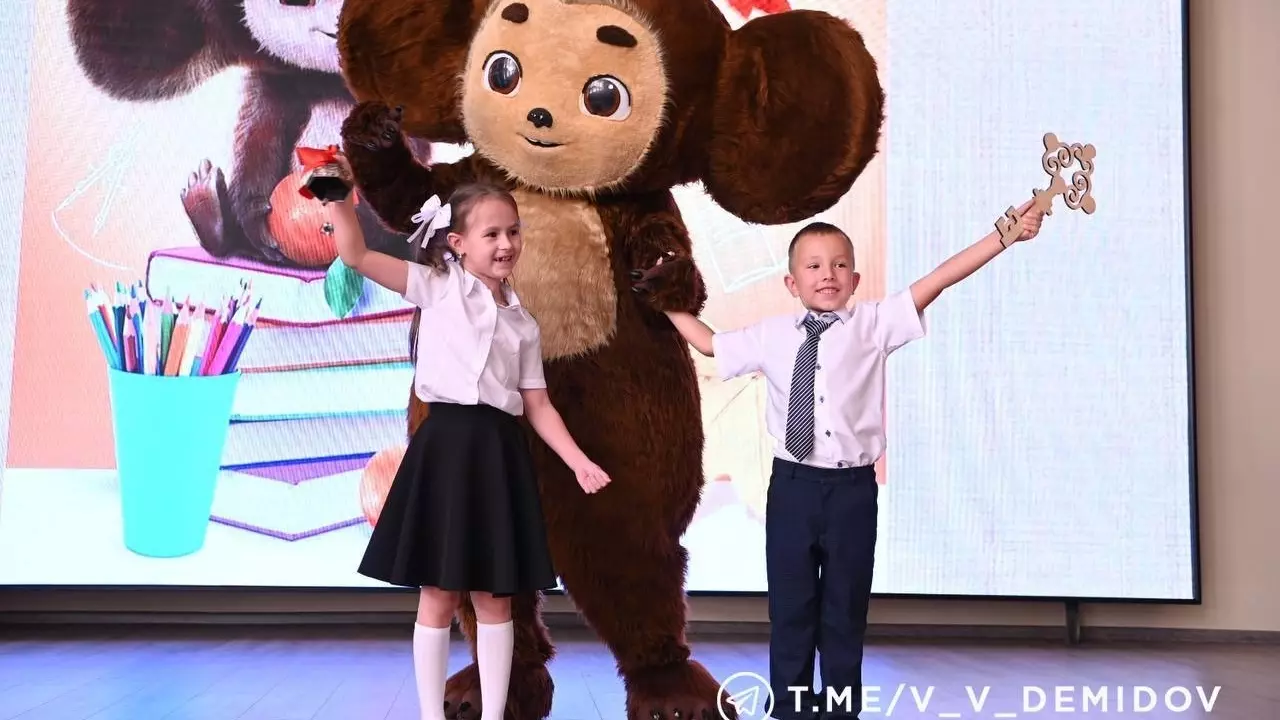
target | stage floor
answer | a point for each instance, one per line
(340, 673)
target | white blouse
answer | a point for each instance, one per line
(470, 349)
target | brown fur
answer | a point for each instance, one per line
(777, 119)
(564, 274)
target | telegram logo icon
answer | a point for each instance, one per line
(745, 695)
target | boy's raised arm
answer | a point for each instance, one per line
(695, 332)
(966, 262)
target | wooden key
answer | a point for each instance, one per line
(1078, 195)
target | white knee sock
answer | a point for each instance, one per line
(494, 645)
(430, 663)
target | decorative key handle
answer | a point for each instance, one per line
(1078, 195)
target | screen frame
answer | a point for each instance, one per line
(1193, 468)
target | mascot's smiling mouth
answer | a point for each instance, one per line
(541, 143)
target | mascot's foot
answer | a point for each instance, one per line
(528, 695)
(207, 202)
(208, 206)
(684, 691)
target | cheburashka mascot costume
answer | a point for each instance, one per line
(591, 111)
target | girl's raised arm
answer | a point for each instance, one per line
(389, 272)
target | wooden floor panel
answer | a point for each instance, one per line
(365, 673)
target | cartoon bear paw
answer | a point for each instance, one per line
(683, 691)
(671, 284)
(372, 126)
(208, 207)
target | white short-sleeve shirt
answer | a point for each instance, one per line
(849, 384)
(471, 350)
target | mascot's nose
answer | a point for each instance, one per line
(540, 117)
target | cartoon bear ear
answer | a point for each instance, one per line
(410, 53)
(797, 117)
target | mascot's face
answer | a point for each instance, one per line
(303, 33)
(564, 95)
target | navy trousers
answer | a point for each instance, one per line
(820, 539)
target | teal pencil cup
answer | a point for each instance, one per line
(169, 436)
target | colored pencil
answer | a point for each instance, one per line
(244, 338)
(130, 345)
(144, 341)
(133, 313)
(230, 339)
(178, 345)
(153, 325)
(166, 333)
(100, 302)
(199, 325)
(216, 331)
(100, 331)
(161, 336)
(118, 312)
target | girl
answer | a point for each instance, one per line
(463, 513)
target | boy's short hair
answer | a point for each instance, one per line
(816, 227)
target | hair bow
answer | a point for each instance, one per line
(432, 216)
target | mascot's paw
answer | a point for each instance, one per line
(528, 694)
(670, 284)
(207, 202)
(372, 126)
(462, 694)
(684, 691)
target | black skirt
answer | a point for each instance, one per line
(463, 512)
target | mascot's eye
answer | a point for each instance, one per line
(606, 97)
(502, 73)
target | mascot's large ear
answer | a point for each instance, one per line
(797, 117)
(410, 53)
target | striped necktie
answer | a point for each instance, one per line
(800, 412)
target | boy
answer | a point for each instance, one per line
(825, 373)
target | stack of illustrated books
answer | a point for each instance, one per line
(319, 395)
